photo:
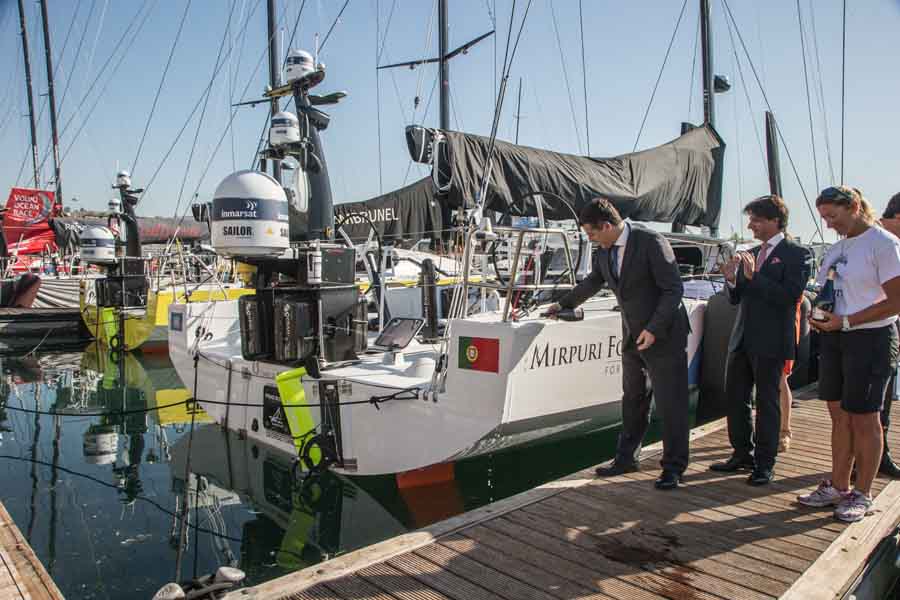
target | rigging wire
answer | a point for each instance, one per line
(562, 60)
(843, 83)
(159, 88)
(821, 90)
(587, 121)
(777, 127)
(659, 77)
(192, 113)
(102, 93)
(746, 90)
(216, 67)
(71, 75)
(693, 71)
(812, 135)
(330, 29)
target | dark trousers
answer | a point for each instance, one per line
(743, 371)
(666, 366)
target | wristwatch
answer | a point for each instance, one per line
(845, 323)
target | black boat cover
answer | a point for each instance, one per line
(669, 183)
(412, 213)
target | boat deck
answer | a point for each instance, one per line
(580, 537)
(22, 576)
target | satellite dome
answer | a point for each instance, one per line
(250, 215)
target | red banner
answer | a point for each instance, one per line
(25, 222)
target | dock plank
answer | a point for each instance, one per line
(22, 576)
(715, 538)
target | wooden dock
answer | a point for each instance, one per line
(22, 576)
(716, 538)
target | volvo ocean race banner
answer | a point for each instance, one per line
(26, 221)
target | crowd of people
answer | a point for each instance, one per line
(857, 332)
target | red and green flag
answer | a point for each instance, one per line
(479, 354)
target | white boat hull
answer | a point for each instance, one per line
(551, 379)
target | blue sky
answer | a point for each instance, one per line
(624, 47)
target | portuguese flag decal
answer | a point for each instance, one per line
(479, 354)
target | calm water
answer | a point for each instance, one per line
(97, 487)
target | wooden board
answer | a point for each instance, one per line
(716, 538)
(22, 576)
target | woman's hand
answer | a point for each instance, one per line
(832, 322)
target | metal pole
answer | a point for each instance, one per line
(443, 34)
(34, 149)
(709, 109)
(274, 75)
(53, 128)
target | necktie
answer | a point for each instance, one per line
(761, 257)
(613, 256)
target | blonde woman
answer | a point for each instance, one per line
(858, 347)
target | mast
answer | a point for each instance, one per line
(772, 155)
(274, 78)
(709, 105)
(52, 97)
(444, 32)
(711, 85)
(34, 149)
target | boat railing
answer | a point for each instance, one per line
(517, 237)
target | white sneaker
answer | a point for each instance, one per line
(853, 507)
(824, 495)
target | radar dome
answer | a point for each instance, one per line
(98, 245)
(250, 215)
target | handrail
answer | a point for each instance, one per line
(520, 233)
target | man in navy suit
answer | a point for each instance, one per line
(639, 267)
(766, 284)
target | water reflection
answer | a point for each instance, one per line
(93, 451)
(96, 470)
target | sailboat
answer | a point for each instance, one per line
(291, 365)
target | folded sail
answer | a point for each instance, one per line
(669, 183)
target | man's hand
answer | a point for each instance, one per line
(645, 340)
(730, 268)
(551, 311)
(749, 264)
(832, 322)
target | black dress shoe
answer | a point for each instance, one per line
(735, 463)
(668, 480)
(888, 467)
(761, 476)
(617, 468)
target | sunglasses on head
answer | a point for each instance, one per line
(833, 193)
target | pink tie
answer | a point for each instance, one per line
(761, 257)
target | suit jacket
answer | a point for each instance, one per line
(767, 304)
(648, 288)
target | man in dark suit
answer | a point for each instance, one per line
(639, 267)
(766, 284)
